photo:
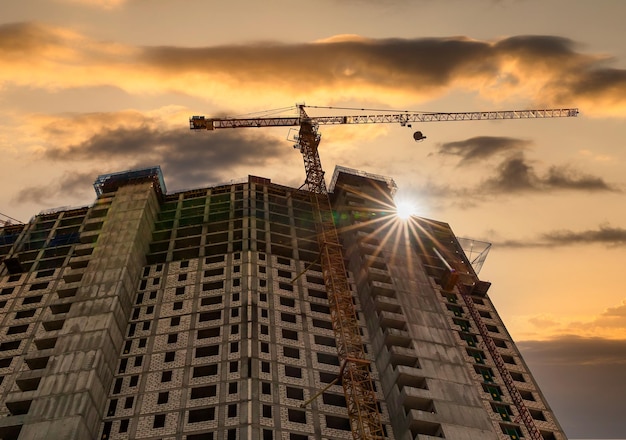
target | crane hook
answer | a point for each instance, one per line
(418, 136)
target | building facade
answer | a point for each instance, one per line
(203, 314)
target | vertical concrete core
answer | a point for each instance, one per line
(71, 398)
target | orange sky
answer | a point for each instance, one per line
(95, 86)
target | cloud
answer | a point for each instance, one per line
(618, 311)
(542, 70)
(568, 178)
(543, 321)
(606, 85)
(127, 139)
(188, 158)
(612, 321)
(577, 350)
(72, 184)
(54, 58)
(349, 63)
(481, 147)
(18, 41)
(604, 234)
(609, 325)
(570, 370)
(516, 174)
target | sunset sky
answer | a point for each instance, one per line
(95, 86)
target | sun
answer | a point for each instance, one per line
(405, 210)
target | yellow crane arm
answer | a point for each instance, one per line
(200, 122)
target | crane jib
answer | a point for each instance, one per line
(200, 122)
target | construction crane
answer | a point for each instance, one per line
(354, 373)
(6, 220)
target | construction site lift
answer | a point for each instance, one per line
(355, 370)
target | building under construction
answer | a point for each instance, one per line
(206, 314)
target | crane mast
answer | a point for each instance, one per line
(355, 367)
(355, 375)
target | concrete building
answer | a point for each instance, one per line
(203, 315)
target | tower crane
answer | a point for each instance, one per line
(355, 375)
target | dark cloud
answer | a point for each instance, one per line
(516, 174)
(423, 63)
(567, 178)
(543, 48)
(481, 147)
(606, 84)
(577, 350)
(70, 184)
(547, 70)
(35, 194)
(394, 62)
(605, 234)
(520, 244)
(571, 371)
(17, 38)
(189, 158)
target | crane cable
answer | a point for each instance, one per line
(368, 109)
(262, 113)
(11, 218)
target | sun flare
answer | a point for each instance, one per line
(405, 210)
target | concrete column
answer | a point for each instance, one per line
(71, 398)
